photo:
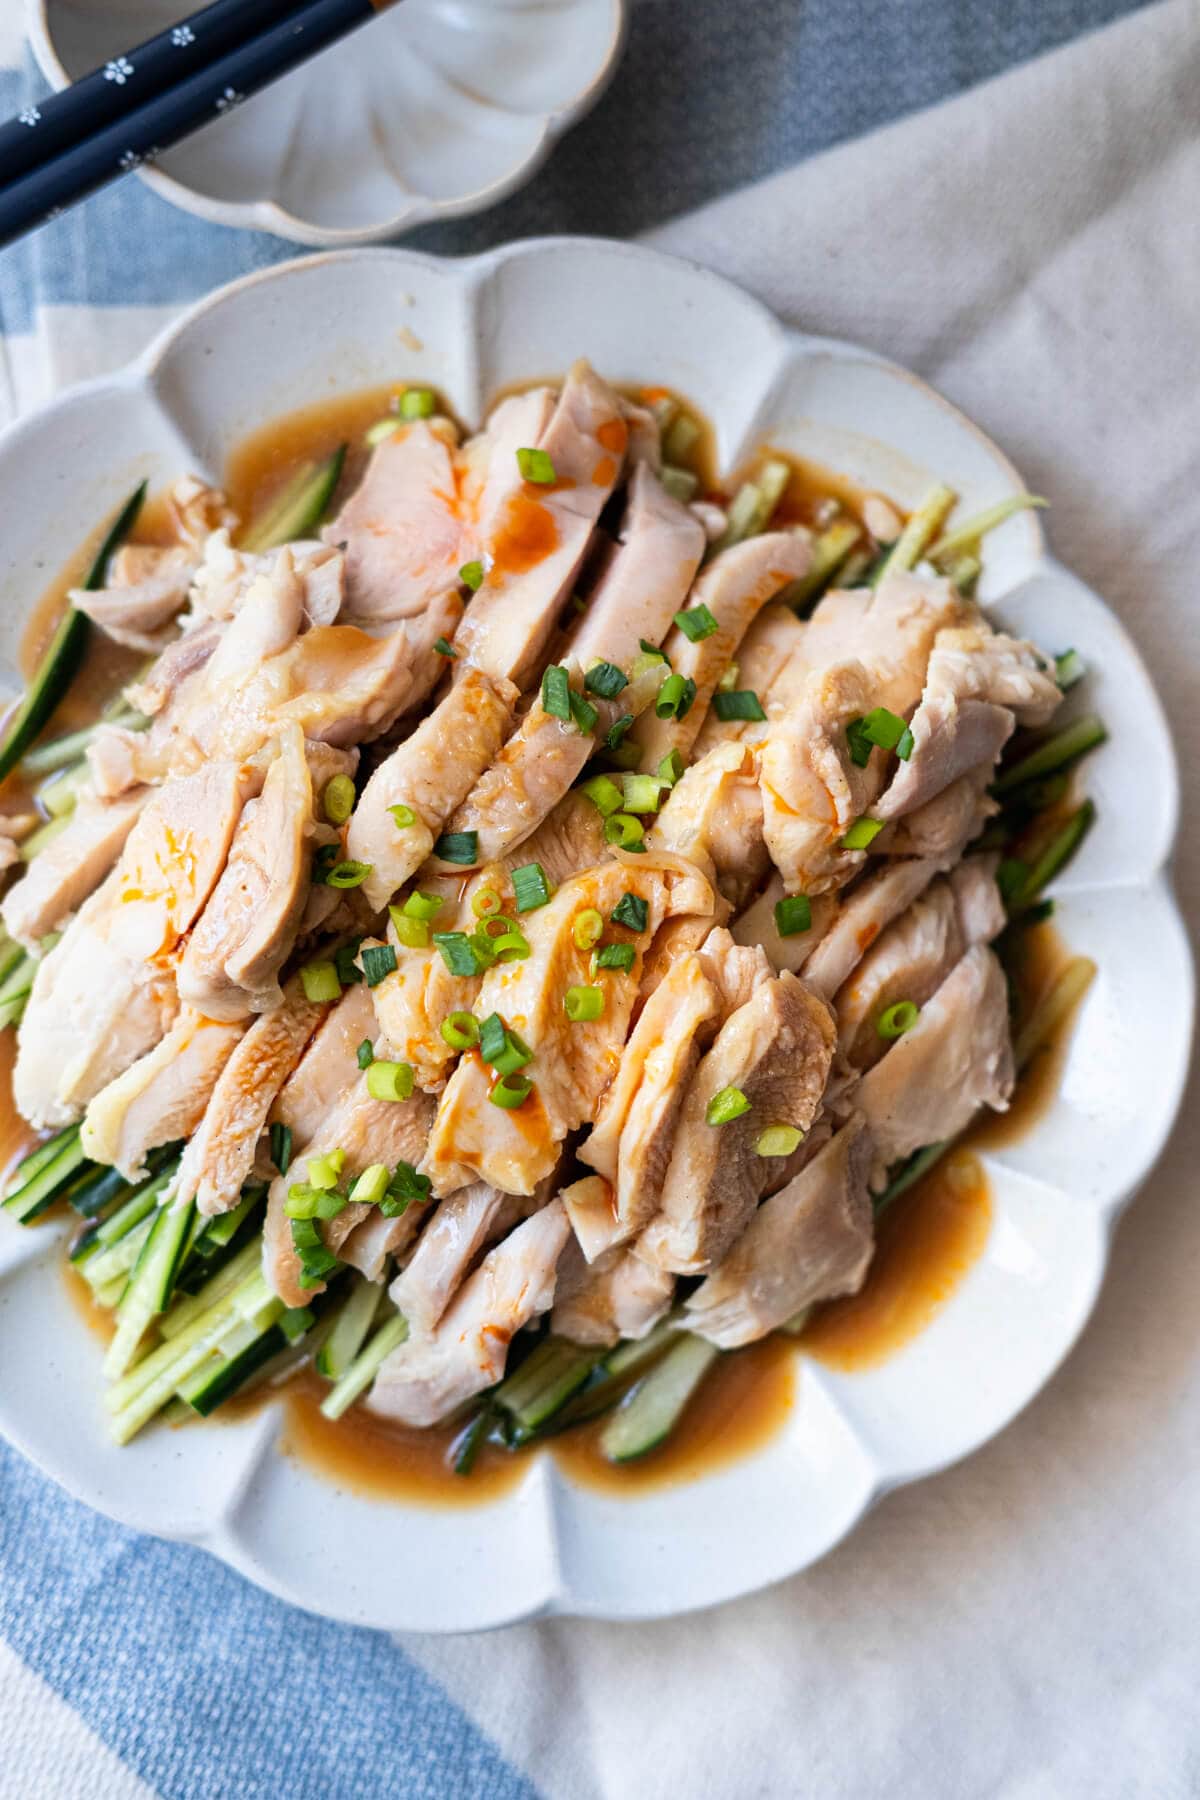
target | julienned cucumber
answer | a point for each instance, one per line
(350, 1329)
(545, 1381)
(150, 1284)
(61, 658)
(51, 1176)
(654, 1406)
(299, 509)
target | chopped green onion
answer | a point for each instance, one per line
(422, 906)
(862, 834)
(605, 679)
(904, 748)
(675, 697)
(614, 956)
(530, 887)
(458, 952)
(510, 1092)
(776, 1140)
(365, 1054)
(617, 731)
(301, 1202)
(583, 712)
(348, 972)
(535, 465)
(486, 903)
(404, 816)
(729, 1104)
(443, 647)
(642, 793)
(418, 403)
(1064, 747)
(471, 576)
(652, 652)
(587, 928)
(556, 691)
(880, 727)
(697, 623)
(458, 847)
(681, 484)
(582, 1004)
(1068, 669)
(512, 946)
(793, 914)
(404, 1187)
(412, 933)
(633, 911)
(378, 962)
(742, 703)
(671, 768)
(481, 945)
(625, 831)
(460, 1030)
(323, 1171)
(603, 793)
(319, 981)
(337, 799)
(281, 1147)
(501, 1047)
(349, 874)
(390, 1080)
(895, 1020)
(371, 1186)
(729, 679)
(968, 534)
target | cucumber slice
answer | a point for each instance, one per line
(111, 1234)
(350, 1329)
(365, 1367)
(217, 1234)
(52, 1178)
(151, 1283)
(617, 1373)
(299, 509)
(546, 1380)
(61, 658)
(229, 1276)
(210, 1386)
(654, 1406)
(95, 1190)
(151, 1384)
(113, 1264)
(38, 1158)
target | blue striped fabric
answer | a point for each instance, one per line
(199, 1684)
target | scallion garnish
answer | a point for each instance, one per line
(460, 1030)
(281, 1147)
(617, 731)
(729, 1104)
(556, 691)
(641, 793)
(412, 933)
(583, 712)
(675, 697)
(631, 910)
(324, 1171)
(337, 799)
(895, 1020)
(510, 1091)
(530, 887)
(458, 952)
(862, 834)
(348, 874)
(603, 793)
(879, 727)
(418, 403)
(371, 1186)
(583, 1004)
(614, 956)
(904, 748)
(404, 1187)
(458, 847)
(1068, 669)
(444, 648)
(378, 961)
(365, 1054)
(671, 768)
(422, 906)
(587, 927)
(697, 623)
(471, 576)
(402, 817)
(319, 981)
(536, 465)
(502, 1048)
(793, 914)
(348, 971)
(778, 1140)
(605, 679)
(741, 703)
(390, 1080)
(625, 831)
(653, 652)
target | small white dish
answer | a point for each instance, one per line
(304, 330)
(438, 109)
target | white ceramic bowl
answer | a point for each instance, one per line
(437, 109)
(301, 331)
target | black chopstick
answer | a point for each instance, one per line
(95, 149)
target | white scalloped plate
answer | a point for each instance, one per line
(293, 335)
(439, 109)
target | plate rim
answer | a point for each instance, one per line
(216, 1536)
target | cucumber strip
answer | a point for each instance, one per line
(1064, 994)
(218, 1233)
(634, 1354)
(365, 1367)
(95, 1190)
(1055, 752)
(350, 1329)
(966, 537)
(210, 1387)
(108, 1295)
(38, 1158)
(469, 1442)
(229, 1276)
(922, 527)
(19, 980)
(654, 1406)
(616, 1375)
(61, 658)
(299, 509)
(751, 508)
(114, 1263)
(546, 1380)
(1054, 857)
(830, 551)
(244, 1331)
(53, 1178)
(207, 1328)
(10, 956)
(142, 1200)
(60, 796)
(151, 1283)
(909, 1173)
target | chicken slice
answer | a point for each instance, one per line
(368, 1131)
(147, 587)
(248, 928)
(757, 925)
(714, 816)
(535, 548)
(106, 993)
(460, 1227)
(630, 1143)
(219, 1154)
(957, 1058)
(328, 1069)
(735, 587)
(777, 1050)
(433, 1373)
(617, 1296)
(403, 537)
(811, 1241)
(812, 790)
(573, 1061)
(771, 664)
(908, 961)
(881, 896)
(431, 773)
(71, 867)
(225, 576)
(160, 1098)
(941, 828)
(978, 898)
(486, 465)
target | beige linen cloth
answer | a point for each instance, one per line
(1028, 1624)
